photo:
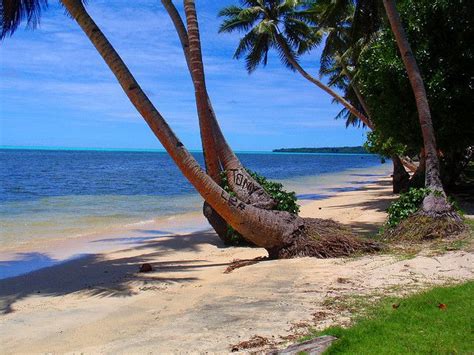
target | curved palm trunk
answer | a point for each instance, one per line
(207, 135)
(319, 84)
(245, 187)
(361, 100)
(435, 203)
(218, 153)
(215, 220)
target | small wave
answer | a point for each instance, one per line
(139, 223)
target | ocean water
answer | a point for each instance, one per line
(71, 193)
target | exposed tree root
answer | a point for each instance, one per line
(322, 238)
(422, 227)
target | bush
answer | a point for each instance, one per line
(286, 201)
(407, 204)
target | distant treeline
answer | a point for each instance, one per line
(346, 150)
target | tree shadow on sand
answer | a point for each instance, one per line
(96, 275)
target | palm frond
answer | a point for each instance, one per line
(239, 19)
(258, 52)
(300, 36)
(13, 12)
(245, 44)
(367, 19)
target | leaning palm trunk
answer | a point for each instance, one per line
(217, 153)
(248, 190)
(318, 83)
(245, 187)
(359, 96)
(281, 233)
(435, 204)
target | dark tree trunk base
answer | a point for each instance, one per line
(436, 205)
(217, 223)
(322, 238)
(313, 237)
(400, 177)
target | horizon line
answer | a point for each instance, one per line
(162, 150)
(152, 150)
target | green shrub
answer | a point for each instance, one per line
(407, 204)
(286, 201)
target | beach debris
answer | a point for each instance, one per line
(343, 280)
(319, 315)
(395, 305)
(146, 268)
(238, 263)
(314, 346)
(255, 342)
(442, 306)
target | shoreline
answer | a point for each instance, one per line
(99, 303)
(32, 255)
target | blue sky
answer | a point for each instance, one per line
(55, 89)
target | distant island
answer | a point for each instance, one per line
(343, 150)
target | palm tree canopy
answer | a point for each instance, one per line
(13, 12)
(348, 26)
(282, 25)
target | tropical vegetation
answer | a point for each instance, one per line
(353, 29)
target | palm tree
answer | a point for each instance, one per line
(281, 233)
(210, 130)
(217, 153)
(435, 204)
(280, 25)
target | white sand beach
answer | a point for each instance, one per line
(99, 303)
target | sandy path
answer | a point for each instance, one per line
(99, 304)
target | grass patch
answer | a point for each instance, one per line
(470, 224)
(414, 325)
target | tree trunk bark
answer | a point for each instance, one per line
(244, 186)
(281, 233)
(195, 61)
(211, 135)
(435, 204)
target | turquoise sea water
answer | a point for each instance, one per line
(69, 193)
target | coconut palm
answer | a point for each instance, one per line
(284, 26)
(218, 155)
(281, 233)
(435, 204)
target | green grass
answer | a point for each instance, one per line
(417, 326)
(470, 223)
